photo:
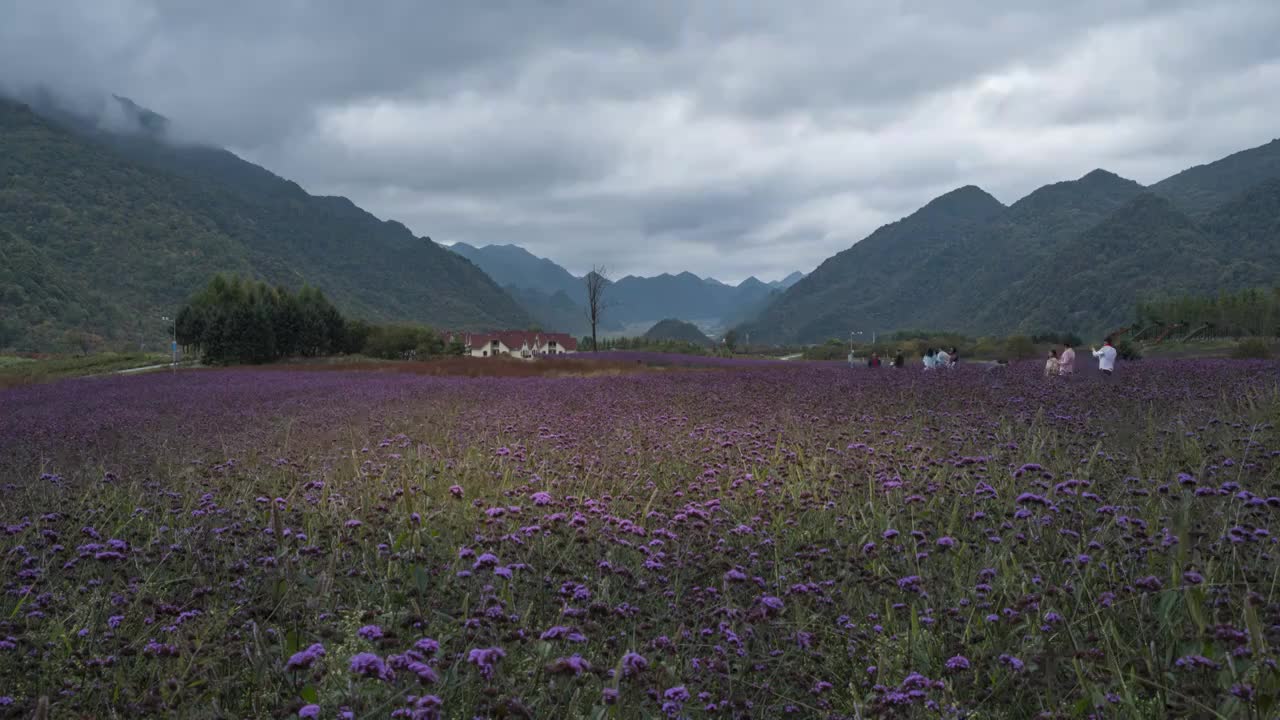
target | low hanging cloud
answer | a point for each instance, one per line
(724, 137)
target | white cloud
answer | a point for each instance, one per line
(726, 138)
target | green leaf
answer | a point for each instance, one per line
(292, 642)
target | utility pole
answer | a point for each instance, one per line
(173, 342)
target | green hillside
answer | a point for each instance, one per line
(115, 231)
(1092, 283)
(1071, 256)
(1198, 191)
(679, 330)
(878, 282)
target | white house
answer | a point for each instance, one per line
(518, 343)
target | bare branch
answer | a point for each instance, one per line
(597, 281)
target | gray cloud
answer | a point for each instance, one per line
(724, 137)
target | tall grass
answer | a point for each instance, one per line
(771, 542)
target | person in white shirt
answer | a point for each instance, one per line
(928, 359)
(942, 359)
(1067, 360)
(1106, 357)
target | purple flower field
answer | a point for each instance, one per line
(742, 540)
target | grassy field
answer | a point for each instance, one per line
(766, 540)
(1217, 348)
(23, 370)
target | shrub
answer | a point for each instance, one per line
(1251, 349)
(402, 342)
(1126, 350)
(1020, 347)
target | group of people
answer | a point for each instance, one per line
(1060, 363)
(874, 361)
(935, 359)
(1064, 363)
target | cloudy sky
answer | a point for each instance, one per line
(725, 137)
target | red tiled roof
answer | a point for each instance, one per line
(515, 339)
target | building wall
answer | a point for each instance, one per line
(543, 349)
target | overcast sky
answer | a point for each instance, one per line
(725, 137)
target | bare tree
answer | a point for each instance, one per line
(597, 280)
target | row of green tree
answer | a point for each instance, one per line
(238, 320)
(1248, 313)
(646, 344)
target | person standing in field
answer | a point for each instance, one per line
(874, 361)
(1052, 366)
(1106, 357)
(942, 359)
(899, 361)
(1067, 360)
(928, 359)
(955, 356)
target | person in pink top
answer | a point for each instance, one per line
(1066, 360)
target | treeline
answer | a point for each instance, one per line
(680, 347)
(236, 320)
(1248, 313)
(914, 343)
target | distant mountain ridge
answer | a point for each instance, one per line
(1198, 191)
(1070, 256)
(115, 229)
(630, 300)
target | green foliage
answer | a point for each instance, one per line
(403, 342)
(832, 349)
(237, 320)
(1251, 349)
(1127, 350)
(104, 234)
(647, 344)
(1020, 347)
(234, 320)
(731, 340)
(1052, 338)
(1247, 313)
(679, 330)
(20, 371)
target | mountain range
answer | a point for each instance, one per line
(547, 290)
(1072, 256)
(107, 224)
(103, 231)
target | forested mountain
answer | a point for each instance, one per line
(679, 330)
(115, 229)
(513, 265)
(876, 283)
(1094, 281)
(1198, 191)
(1071, 256)
(631, 299)
(685, 296)
(557, 312)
